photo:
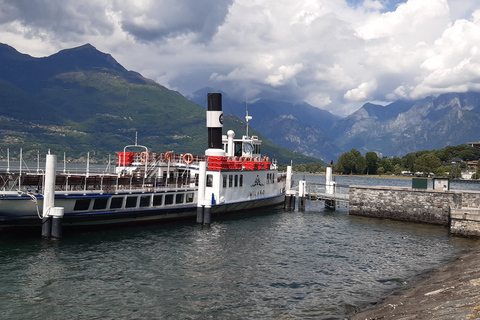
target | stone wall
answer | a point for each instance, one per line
(407, 204)
(471, 199)
(465, 222)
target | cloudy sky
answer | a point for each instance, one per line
(333, 54)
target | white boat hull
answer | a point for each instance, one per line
(22, 211)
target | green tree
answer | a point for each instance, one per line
(427, 163)
(397, 170)
(408, 161)
(396, 161)
(346, 163)
(387, 165)
(360, 164)
(351, 162)
(371, 161)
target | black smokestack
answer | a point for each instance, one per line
(214, 120)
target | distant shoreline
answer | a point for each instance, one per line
(383, 176)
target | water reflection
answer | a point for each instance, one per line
(316, 264)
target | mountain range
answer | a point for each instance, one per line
(81, 99)
(392, 130)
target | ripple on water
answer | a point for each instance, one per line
(306, 265)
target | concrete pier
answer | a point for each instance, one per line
(458, 210)
(465, 222)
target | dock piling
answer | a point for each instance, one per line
(51, 216)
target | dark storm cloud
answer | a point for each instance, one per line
(158, 20)
(66, 19)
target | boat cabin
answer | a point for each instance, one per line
(246, 147)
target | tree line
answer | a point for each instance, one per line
(437, 162)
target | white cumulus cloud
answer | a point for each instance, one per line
(335, 55)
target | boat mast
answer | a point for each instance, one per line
(247, 117)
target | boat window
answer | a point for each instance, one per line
(224, 181)
(190, 197)
(168, 199)
(241, 181)
(157, 199)
(238, 149)
(209, 180)
(100, 203)
(145, 201)
(116, 203)
(82, 204)
(230, 180)
(131, 202)
(236, 180)
(179, 198)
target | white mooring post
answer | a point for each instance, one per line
(289, 193)
(51, 216)
(329, 184)
(302, 192)
(202, 171)
(329, 189)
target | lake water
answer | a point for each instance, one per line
(269, 264)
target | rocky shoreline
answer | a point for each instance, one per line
(449, 292)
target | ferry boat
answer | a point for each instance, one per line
(146, 186)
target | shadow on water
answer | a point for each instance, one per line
(115, 233)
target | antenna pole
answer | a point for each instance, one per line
(247, 117)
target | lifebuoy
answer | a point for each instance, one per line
(265, 159)
(168, 156)
(188, 158)
(235, 158)
(144, 156)
(257, 159)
